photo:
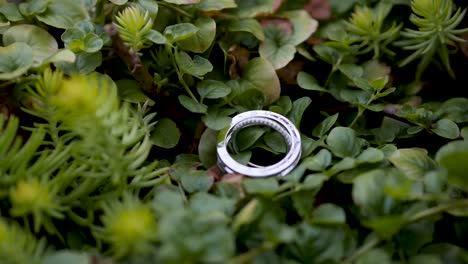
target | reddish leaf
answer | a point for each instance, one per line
(318, 9)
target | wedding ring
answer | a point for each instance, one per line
(278, 123)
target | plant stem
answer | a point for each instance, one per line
(180, 75)
(132, 60)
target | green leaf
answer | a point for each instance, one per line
(413, 162)
(156, 37)
(196, 181)
(308, 82)
(165, 134)
(374, 254)
(67, 256)
(84, 63)
(249, 213)
(215, 5)
(249, 25)
(261, 75)
(32, 8)
(63, 55)
(303, 24)
(213, 89)
(192, 105)
(325, 125)
(197, 67)
(119, 2)
(10, 11)
(446, 128)
(203, 38)
(453, 158)
(371, 155)
(247, 137)
(368, 193)
(247, 9)
(182, 2)
(207, 148)
(464, 132)
(298, 108)
(180, 31)
(276, 48)
(425, 259)
(386, 226)
(15, 60)
(276, 142)
(250, 99)
(63, 14)
(264, 186)
(167, 200)
(318, 162)
(320, 244)
(279, 56)
(130, 91)
(455, 109)
(343, 142)
(42, 43)
(328, 213)
(205, 203)
(92, 43)
(328, 54)
(148, 5)
(218, 119)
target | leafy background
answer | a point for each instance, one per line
(112, 109)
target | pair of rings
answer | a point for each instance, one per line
(278, 123)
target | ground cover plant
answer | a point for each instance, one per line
(111, 111)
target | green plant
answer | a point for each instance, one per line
(366, 28)
(437, 29)
(110, 113)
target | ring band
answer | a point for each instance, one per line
(278, 123)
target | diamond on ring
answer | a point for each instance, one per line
(270, 119)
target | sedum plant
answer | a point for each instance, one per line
(437, 31)
(366, 27)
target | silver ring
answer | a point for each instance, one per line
(266, 118)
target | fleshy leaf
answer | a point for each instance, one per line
(203, 38)
(262, 76)
(413, 162)
(308, 82)
(197, 67)
(165, 134)
(446, 128)
(343, 142)
(41, 42)
(247, 25)
(192, 105)
(329, 213)
(453, 157)
(207, 148)
(84, 63)
(63, 14)
(180, 31)
(215, 5)
(213, 89)
(303, 25)
(15, 60)
(325, 125)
